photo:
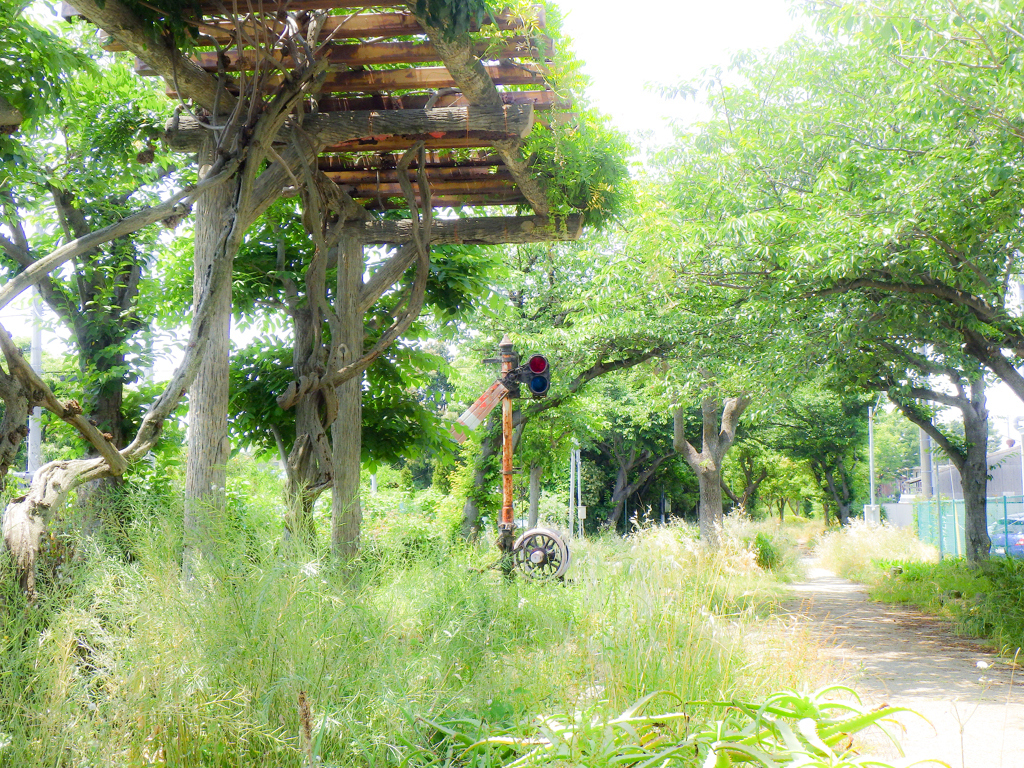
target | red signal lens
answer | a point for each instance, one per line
(538, 364)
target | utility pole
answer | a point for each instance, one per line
(926, 464)
(1018, 426)
(572, 489)
(871, 450)
(581, 511)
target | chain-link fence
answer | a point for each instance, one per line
(941, 522)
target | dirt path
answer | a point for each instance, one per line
(892, 655)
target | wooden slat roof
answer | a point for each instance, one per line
(380, 58)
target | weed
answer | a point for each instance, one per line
(784, 729)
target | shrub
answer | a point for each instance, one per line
(769, 548)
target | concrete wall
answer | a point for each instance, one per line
(900, 515)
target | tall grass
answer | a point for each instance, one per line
(855, 550)
(122, 664)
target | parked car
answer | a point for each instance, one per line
(1008, 538)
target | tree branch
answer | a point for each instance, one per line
(177, 204)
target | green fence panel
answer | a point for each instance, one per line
(942, 522)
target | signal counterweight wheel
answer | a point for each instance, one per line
(541, 554)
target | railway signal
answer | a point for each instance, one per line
(538, 375)
(539, 552)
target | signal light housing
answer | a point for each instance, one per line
(538, 376)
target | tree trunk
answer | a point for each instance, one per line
(534, 495)
(619, 493)
(623, 488)
(707, 464)
(346, 432)
(105, 408)
(840, 492)
(208, 444)
(709, 482)
(13, 431)
(974, 475)
(489, 445)
(971, 460)
(310, 465)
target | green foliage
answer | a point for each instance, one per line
(828, 432)
(584, 162)
(35, 66)
(453, 17)
(769, 545)
(765, 554)
(400, 421)
(120, 663)
(399, 540)
(260, 372)
(853, 552)
(787, 728)
(79, 170)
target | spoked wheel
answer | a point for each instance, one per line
(541, 554)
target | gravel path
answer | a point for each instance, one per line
(898, 656)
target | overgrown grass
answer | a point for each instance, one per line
(986, 602)
(121, 664)
(854, 552)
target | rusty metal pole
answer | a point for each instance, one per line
(507, 526)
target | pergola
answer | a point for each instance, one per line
(392, 80)
(359, 109)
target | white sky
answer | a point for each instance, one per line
(663, 42)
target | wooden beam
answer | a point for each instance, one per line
(389, 161)
(400, 144)
(390, 144)
(271, 7)
(371, 190)
(340, 57)
(539, 100)
(462, 201)
(434, 175)
(359, 26)
(334, 128)
(481, 230)
(417, 78)
(476, 82)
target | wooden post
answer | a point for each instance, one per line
(346, 432)
(208, 443)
